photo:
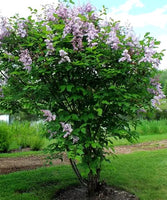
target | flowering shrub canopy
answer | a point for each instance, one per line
(89, 77)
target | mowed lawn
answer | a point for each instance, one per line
(141, 173)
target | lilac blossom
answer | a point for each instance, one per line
(49, 11)
(49, 115)
(149, 55)
(5, 28)
(64, 57)
(49, 40)
(75, 26)
(66, 128)
(49, 45)
(21, 28)
(62, 11)
(92, 33)
(87, 8)
(125, 56)
(132, 40)
(1, 93)
(79, 27)
(75, 139)
(26, 59)
(112, 39)
(156, 90)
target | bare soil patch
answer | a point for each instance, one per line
(109, 193)
(147, 146)
(13, 164)
(8, 165)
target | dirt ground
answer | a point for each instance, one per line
(8, 165)
(109, 193)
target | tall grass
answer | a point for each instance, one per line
(4, 137)
(152, 127)
(21, 135)
(28, 135)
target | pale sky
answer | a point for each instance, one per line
(143, 15)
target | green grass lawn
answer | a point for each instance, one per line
(142, 173)
(141, 139)
(21, 154)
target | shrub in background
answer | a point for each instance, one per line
(149, 127)
(4, 137)
(20, 135)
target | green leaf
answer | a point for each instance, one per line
(62, 88)
(105, 102)
(147, 34)
(69, 88)
(74, 117)
(99, 111)
(83, 130)
(93, 145)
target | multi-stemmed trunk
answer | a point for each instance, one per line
(93, 180)
(93, 183)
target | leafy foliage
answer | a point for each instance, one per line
(89, 78)
(4, 137)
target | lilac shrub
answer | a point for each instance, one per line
(89, 78)
(25, 59)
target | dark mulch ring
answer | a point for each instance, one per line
(79, 193)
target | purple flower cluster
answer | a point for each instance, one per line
(92, 33)
(66, 128)
(26, 59)
(64, 57)
(125, 56)
(132, 40)
(75, 139)
(75, 25)
(79, 29)
(62, 11)
(49, 10)
(157, 91)
(112, 39)
(49, 115)
(5, 28)
(148, 55)
(1, 93)
(49, 39)
(49, 45)
(21, 29)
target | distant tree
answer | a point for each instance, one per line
(165, 88)
(90, 79)
(162, 74)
